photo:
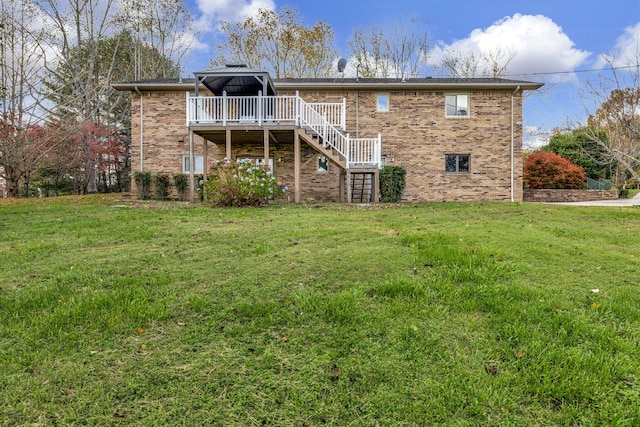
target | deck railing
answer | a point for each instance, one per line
(327, 120)
(225, 110)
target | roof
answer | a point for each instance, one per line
(235, 79)
(425, 83)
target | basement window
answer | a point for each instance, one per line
(323, 164)
(199, 161)
(457, 163)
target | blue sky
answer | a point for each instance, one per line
(547, 36)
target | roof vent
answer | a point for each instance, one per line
(236, 65)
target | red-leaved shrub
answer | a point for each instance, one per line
(545, 169)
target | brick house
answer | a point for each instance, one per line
(325, 139)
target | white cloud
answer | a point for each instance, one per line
(215, 11)
(626, 51)
(539, 45)
(211, 13)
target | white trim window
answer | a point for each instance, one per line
(457, 105)
(457, 163)
(198, 160)
(323, 164)
(383, 102)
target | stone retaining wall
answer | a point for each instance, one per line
(553, 195)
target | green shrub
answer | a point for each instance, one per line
(143, 184)
(392, 183)
(181, 182)
(162, 183)
(623, 194)
(240, 184)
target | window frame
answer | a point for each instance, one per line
(319, 168)
(386, 108)
(457, 157)
(198, 159)
(457, 95)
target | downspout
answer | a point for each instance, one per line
(141, 131)
(357, 113)
(512, 144)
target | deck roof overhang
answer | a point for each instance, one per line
(235, 80)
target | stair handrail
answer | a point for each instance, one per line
(311, 118)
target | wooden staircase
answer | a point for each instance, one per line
(313, 139)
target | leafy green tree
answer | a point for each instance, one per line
(280, 44)
(583, 151)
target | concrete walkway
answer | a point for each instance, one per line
(634, 201)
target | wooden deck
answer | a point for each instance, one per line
(323, 124)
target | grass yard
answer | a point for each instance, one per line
(116, 313)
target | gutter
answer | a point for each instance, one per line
(512, 144)
(141, 131)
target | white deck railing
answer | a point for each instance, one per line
(327, 120)
(227, 110)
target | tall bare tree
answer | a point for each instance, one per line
(59, 58)
(398, 51)
(617, 112)
(160, 29)
(492, 63)
(22, 58)
(279, 43)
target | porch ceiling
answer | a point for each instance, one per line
(240, 136)
(235, 80)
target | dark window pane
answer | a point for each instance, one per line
(450, 163)
(463, 163)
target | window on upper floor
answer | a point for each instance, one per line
(383, 102)
(457, 163)
(198, 160)
(457, 105)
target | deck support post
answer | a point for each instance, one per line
(296, 166)
(227, 142)
(192, 184)
(375, 186)
(205, 162)
(348, 186)
(266, 148)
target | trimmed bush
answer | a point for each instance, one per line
(143, 184)
(392, 183)
(181, 182)
(162, 184)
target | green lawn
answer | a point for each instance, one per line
(159, 313)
